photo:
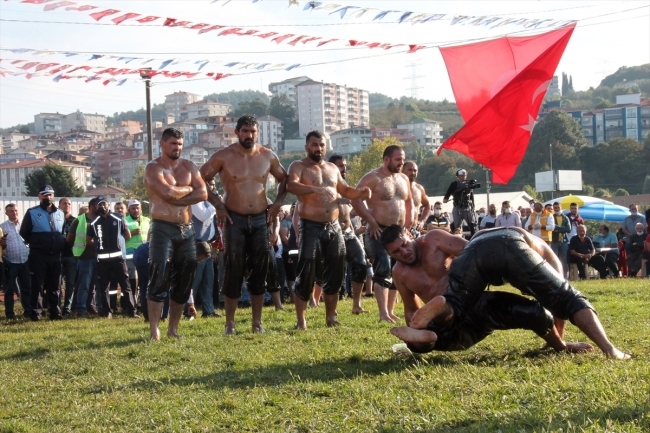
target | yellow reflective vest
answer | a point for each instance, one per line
(80, 236)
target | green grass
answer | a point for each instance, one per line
(95, 375)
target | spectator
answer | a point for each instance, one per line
(16, 253)
(646, 256)
(437, 221)
(525, 215)
(86, 260)
(462, 191)
(635, 246)
(104, 232)
(582, 251)
(541, 223)
(68, 260)
(574, 219)
(205, 231)
(489, 220)
(507, 218)
(138, 226)
(630, 221)
(290, 260)
(606, 239)
(481, 214)
(559, 237)
(119, 210)
(42, 230)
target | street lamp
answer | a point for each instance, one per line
(145, 75)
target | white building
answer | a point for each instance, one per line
(204, 109)
(129, 166)
(91, 122)
(176, 101)
(426, 132)
(330, 107)
(48, 123)
(553, 90)
(10, 140)
(270, 132)
(351, 140)
(288, 87)
(12, 175)
(196, 154)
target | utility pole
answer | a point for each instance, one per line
(144, 74)
(550, 146)
(487, 186)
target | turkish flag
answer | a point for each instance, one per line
(499, 86)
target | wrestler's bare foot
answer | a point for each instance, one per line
(155, 336)
(358, 310)
(230, 329)
(386, 319)
(301, 326)
(172, 334)
(394, 317)
(332, 322)
(258, 328)
(617, 354)
(578, 347)
(434, 308)
(280, 308)
(411, 335)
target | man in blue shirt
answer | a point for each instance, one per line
(606, 239)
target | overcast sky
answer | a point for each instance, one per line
(609, 34)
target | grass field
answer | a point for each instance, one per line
(97, 375)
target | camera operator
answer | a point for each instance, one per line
(462, 192)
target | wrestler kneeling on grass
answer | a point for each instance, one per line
(491, 257)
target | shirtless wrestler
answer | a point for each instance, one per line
(420, 198)
(354, 253)
(511, 254)
(391, 203)
(322, 247)
(421, 272)
(173, 185)
(244, 168)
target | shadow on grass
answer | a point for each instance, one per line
(227, 375)
(600, 419)
(42, 352)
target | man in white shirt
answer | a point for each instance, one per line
(15, 259)
(205, 230)
(507, 218)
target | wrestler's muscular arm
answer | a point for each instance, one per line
(348, 192)
(155, 183)
(280, 174)
(446, 242)
(369, 180)
(209, 170)
(411, 303)
(199, 189)
(427, 207)
(294, 186)
(408, 205)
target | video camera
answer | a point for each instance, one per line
(470, 184)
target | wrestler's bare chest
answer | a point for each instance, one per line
(390, 188)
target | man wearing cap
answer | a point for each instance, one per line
(86, 258)
(104, 232)
(173, 185)
(42, 230)
(138, 225)
(463, 201)
(68, 260)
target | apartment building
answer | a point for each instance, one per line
(629, 118)
(351, 140)
(330, 107)
(125, 127)
(176, 101)
(106, 163)
(129, 166)
(426, 132)
(288, 88)
(202, 109)
(12, 175)
(48, 123)
(80, 121)
(403, 135)
(221, 136)
(197, 154)
(11, 140)
(270, 132)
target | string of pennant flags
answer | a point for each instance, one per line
(402, 16)
(118, 17)
(163, 62)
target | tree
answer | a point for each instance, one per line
(256, 107)
(24, 129)
(136, 189)
(602, 193)
(570, 83)
(646, 185)
(56, 176)
(532, 192)
(369, 160)
(565, 84)
(281, 108)
(620, 192)
(109, 182)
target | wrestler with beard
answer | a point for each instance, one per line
(391, 203)
(244, 215)
(321, 259)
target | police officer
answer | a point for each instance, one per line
(138, 225)
(463, 202)
(42, 230)
(104, 231)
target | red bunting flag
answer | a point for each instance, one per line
(53, 6)
(499, 86)
(99, 15)
(124, 17)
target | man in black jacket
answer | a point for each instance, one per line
(462, 192)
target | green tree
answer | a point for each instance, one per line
(236, 97)
(565, 84)
(588, 190)
(281, 108)
(602, 193)
(136, 189)
(56, 176)
(256, 107)
(532, 192)
(646, 185)
(620, 192)
(24, 129)
(369, 160)
(109, 182)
